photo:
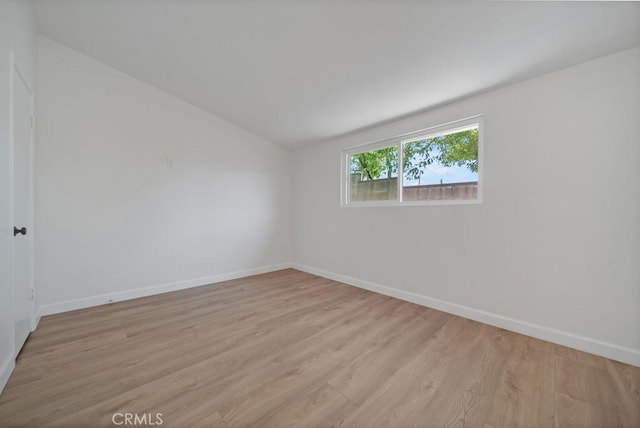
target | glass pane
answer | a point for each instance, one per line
(444, 167)
(374, 175)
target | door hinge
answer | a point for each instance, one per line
(33, 122)
(33, 295)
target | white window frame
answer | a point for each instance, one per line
(398, 141)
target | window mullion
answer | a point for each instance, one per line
(400, 171)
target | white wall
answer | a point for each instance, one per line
(553, 251)
(17, 34)
(114, 216)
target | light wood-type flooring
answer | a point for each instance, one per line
(292, 349)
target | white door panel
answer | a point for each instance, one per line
(22, 109)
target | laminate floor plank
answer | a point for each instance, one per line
(288, 348)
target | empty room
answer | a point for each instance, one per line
(319, 213)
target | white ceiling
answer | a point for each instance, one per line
(298, 72)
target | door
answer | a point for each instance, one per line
(22, 121)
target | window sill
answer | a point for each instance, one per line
(365, 204)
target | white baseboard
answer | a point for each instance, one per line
(87, 302)
(581, 343)
(6, 369)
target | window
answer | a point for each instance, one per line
(374, 175)
(440, 165)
